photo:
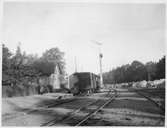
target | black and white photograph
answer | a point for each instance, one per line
(83, 63)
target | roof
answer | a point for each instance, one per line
(83, 73)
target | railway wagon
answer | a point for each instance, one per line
(83, 83)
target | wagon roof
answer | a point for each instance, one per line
(84, 73)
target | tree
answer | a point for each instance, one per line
(6, 57)
(6, 54)
(17, 63)
(138, 71)
(31, 59)
(56, 57)
(160, 73)
(44, 67)
(108, 77)
(151, 70)
(17, 69)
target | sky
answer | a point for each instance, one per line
(127, 32)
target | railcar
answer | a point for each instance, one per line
(84, 83)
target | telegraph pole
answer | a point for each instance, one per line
(101, 75)
(75, 64)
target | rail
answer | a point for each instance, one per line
(153, 101)
(96, 110)
(69, 115)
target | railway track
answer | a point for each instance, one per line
(162, 109)
(39, 107)
(88, 116)
(151, 100)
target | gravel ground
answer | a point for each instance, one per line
(14, 110)
(128, 109)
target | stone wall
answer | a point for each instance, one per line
(11, 91)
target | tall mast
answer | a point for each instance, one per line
(101, 75)
(100, 62)
(75, 64)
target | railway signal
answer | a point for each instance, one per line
(101, 75)
(100, 62)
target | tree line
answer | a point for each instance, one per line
(136, 71)
(19, 66)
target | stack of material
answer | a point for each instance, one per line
(160, 83)
(141, 84)
(135, 84)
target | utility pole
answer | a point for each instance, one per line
(75, 64)
(101, 75)
(100, 63)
